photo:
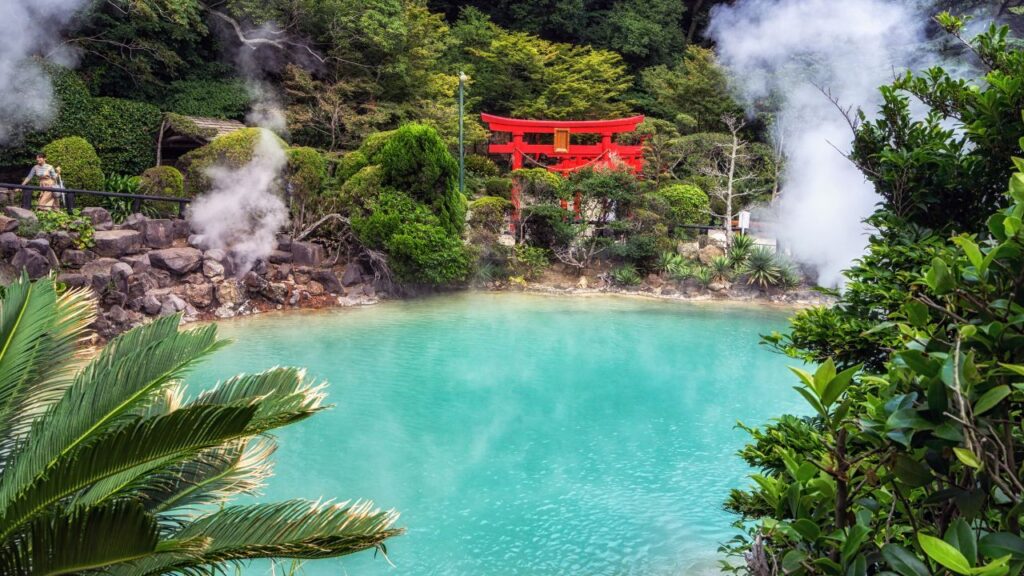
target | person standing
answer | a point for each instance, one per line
(46, 176)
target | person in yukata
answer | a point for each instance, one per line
(46, 176)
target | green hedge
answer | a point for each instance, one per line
(307, 172)
(163, 181)
(212, 98)
(80, 165)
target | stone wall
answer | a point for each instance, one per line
(145, 268)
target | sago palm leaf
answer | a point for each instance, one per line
(72, 543)
(180, 434)
(282, 396)
(292, 529)
(126, 375)
(38, 335)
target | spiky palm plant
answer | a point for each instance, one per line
(105, 466)
(721, 269)
(763, 267)
(740, 249)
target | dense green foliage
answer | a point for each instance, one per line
(163, 181)
(77, 159)
(80, 227)
(211, 98)
(108, 467)
(911, 463)
(686, 203)
(232, 150)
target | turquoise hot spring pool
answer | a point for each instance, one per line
(524, 434)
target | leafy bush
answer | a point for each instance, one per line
(489, 213)
(704, 276)
(80, 227)
(361, 189)
(687, 204)
(307, 172)
(626, 275)
(640, 250)
(350, 164)
(163, 181)
(481, 166)
(498, 186)
(227, 99)
(79, 164)
(232, 150)
(538, 183)
(123, 132)
(669, 260)
(529, 261)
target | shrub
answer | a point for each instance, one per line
(373, 144)
(163, 181)
(489, 213)
(687, 204)
(349, 165)
(80, 227)
(361, 189)
(307, 172)
(762, 267)
(530, 261)
(640, 250)
(721, 269)
(704, 276)
(79, 164)
(740, 249)
(539, 183)
(422, 253)
(498, 186)
(232, 150)
(123, 132)
(626, 275)
(669, 260)
(416, 161)
(481, 166)
(212, 98)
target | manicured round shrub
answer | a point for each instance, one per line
(482, 166)
(163, 181)
(79, 164)
(498, 186)
(307, 172)
(687, 204)
(416, 161)
(426, 254)
(232, 150)
(489, 212)
(373, 144)
(212, 98)
(538, 182)
(363, 188)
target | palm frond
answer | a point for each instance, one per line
(70, 543)
(39, 331)
(282, 395)
(126, 375)
(139, 443)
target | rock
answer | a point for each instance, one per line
(139, 263)
(73, 280)
(284, 242)
(315, 288)
(195, 278)
(254, 282)
(353, 274)
(279, 272)
(655, 281)
(117, 243)
(215, 254)
(135, 221)
(19, 213)
(228, 293)
(98, 266)
(301, 274)
(157, 233)
(178, 260)
(582, 283)
(669, 291)
(151, 304)
(99, 217)
(709, 253)
(224, 312)
(10, 243)
(369, 291)
(200, 295)
(72, 258)
(163, 277)
(61, 241)
(36, 264)
(8, 224)
(718, 286)
(307, 253)
(118, 315)
(119, 274)
(275, 292)
(42, 247)
(280, 257)
(140, 284)
(180, 228)
(213, 269)
(329, 280)
(172, 305)
(688, 249)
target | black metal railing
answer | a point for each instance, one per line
(70, 193)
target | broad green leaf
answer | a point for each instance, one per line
(998, 567)
(917, 313)
(809, 396)
(998, 544)
(854, 539)
(911, 472)
(990, 399)
(807, 529)
(903, 561)
(859, 566)
(792, 561)
(837, 385)
(960, 536)
(1015, 368)
(823, 375)
(939, 278)
(967, 457)
(804, 376)
(942, 552)
(972, 251)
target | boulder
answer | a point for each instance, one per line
(284, 242)
(61, 241)
(151, 304)
(688, 249)
(42, 246)
(117, 243)
(19, 213)
(157, 233)
(180, 228)
(718, 286)
(213, 269)
(118, 315)
(655, 281)
(307, 253)
(98, 266)
(228, 293)
(369, 291)
(72, 258)
(200, 295)
(315, 288)
(140, 284)
(10, 243)
(329, 281)
(72, 280)
(275, 292)
(353, 274)
(8, 224)
(254, 282)
(178, 260)
(280, 257)
(582, 283)
(709, 253)
(34, 263)
(99, 217)
(172, 304)
(215, 254)
(119, 274)
(135, 221)
(139, 262)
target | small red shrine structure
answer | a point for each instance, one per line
(568, 156)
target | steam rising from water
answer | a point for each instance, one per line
(243, 213)
(786, 49)
(29, 28)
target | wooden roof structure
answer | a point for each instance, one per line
(180, 134)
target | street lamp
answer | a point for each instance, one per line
(462, 143)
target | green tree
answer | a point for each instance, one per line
(695, 87)
(107, 467)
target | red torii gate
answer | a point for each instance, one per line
(570, 157)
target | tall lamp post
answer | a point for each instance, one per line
(462, 143)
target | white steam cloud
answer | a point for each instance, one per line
(242, 213)
(786, 50)
(29, 29)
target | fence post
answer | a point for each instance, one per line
(136, 205)
(69, 202)
(181, 209)
(26, 198)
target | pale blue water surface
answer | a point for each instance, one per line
(524, 434)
